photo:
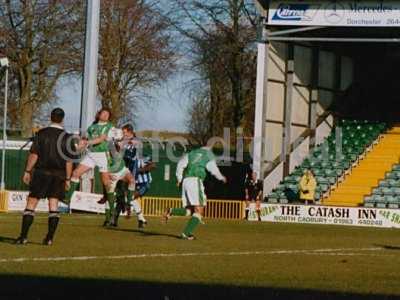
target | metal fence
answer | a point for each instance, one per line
(3, 201)
(215, 209)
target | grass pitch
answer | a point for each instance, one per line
(229, 260)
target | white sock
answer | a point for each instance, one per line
(141, 217)
(136, 207)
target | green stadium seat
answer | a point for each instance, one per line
(298, 171)
(323, 188)
(326, 164)
(394, 205)
(384, 183)
(390, 199)
(378, 198)
(322, 180)
(369, 201)
(292, 179)
(387, 191)
(319, 172)
(396, 167)
(280, 187)
(391, 176)
(330, 159)
(273, 197)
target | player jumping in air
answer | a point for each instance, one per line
(190, 173)
(97, 155)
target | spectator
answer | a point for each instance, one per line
(253, 192)
(307, 185)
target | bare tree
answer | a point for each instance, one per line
(135, 54)
(221, 35)
(197, 123)
(43, 40)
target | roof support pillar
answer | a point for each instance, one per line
(286, 141)
(313, 116)
(261, 105)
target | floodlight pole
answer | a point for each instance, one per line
(89, 80)
(3, 155)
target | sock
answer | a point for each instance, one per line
(72, 188)
(110, 212)
(138, 210)
(54, 218)
(247, 213)
(27, 220)
(136, 207)
(181, 211)
(129, 197)
(258, 214)
(119, 208)
(192, 224)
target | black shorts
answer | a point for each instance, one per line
(46, 185)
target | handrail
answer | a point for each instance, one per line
(306, 133)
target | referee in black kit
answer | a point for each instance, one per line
(47, 172)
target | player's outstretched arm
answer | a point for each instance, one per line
(214, 170)
(182, 164)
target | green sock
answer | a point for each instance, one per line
(72, 188)
(129, 197)
(191, 225)
(178, 211)
(110, 212)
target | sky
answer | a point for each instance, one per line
(165, 112)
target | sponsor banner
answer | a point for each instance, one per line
(17, 145)
(335, 13)
(316, 214)
(87, 202)
(17, 202)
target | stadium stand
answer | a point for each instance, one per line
(386, 193)
(369, 172)
(332, 162)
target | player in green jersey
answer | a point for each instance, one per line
(190, 173)
(98, 135)
(119, 172)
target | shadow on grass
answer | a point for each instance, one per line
(36, 287)
(9, 240)
(144, 232)
(388, 247)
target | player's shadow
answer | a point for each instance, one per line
(388, 247)
(146, 232)
(9, 240)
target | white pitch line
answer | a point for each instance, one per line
(349, 254)
(337, 252)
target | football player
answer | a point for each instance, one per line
(96, 155)
(190, 174)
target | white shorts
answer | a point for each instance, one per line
(193, 192)
(115, 177)
(93, 159)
